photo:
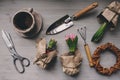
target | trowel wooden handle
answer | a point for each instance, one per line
(85, 10)
(87, 49)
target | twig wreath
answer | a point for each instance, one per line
(96, 59)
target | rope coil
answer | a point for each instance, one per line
(96, 59)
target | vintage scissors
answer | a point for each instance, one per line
(19, 62)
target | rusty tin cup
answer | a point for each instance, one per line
(26, 24)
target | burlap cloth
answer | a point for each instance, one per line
(42, 58)
(111, 14)
(71, 63)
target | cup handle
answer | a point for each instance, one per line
(30, 10)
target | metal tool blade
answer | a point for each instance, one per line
(61, 28)
(56, 24)
(6, 38)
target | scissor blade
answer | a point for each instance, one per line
(6, 38)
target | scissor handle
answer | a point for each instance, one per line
(22, 70)
(23, 62)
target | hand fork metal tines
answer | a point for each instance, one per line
(19, 62)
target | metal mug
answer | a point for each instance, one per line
(25, 23)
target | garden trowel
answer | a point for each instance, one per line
(67, 21)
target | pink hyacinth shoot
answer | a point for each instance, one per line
(71, 36)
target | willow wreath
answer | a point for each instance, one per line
(96, 59)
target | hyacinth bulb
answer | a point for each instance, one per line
(71, 41)
(52, 44)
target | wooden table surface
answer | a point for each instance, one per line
(51, 10)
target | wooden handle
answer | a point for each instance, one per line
(87, 49)
(85, 10)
